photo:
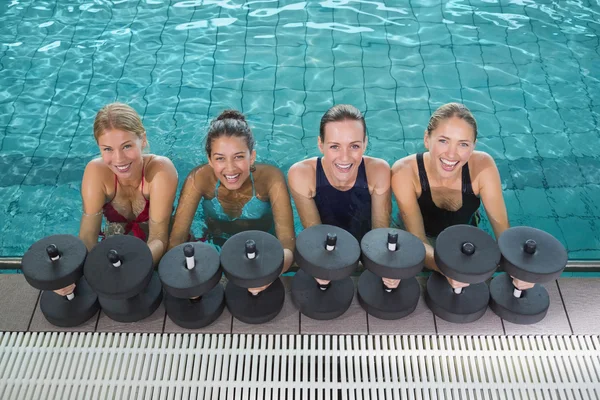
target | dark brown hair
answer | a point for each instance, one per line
(229, 123)
(341, 112)
(448, 111)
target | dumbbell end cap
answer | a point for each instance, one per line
(188, 250)
(530, 246)
(113, 256)
(52, 251)
(468, 248)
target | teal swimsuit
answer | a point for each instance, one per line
(255, 212)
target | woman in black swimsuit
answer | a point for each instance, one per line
(446, 185)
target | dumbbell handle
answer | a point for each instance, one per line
(190, 263)
(188, 252)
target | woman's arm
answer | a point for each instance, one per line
(381, 197)
(93, 196)
(301, 177)
(189, 199)
(282, 214)
(162, 177)
(490, 192)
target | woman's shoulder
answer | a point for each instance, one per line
(97, 169)
(375, 163)
(480, 160)
(303, 168)
(156, 164)
(405, 165)
(267, 173)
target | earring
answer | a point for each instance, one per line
(252, 168)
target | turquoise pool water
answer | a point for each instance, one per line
(529, 70)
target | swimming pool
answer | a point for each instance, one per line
(528, 70)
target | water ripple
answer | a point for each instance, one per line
(197, 3)
(50, 46)
(334, 26)
(215, 22)
(268, 12)
(514, 20)
(341, 4)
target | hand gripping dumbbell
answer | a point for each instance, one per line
(466, 254)
(120, 270)
(252, 259)
(530, 255)
(329, 253)
(56, 262)
(395, 254)
(190, 274)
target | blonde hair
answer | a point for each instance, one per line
(448, 111)
(118, 116)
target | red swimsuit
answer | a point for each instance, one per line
(113, 215)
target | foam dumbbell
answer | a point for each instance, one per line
(530, 255)
(329, 253)
(466, 254)
(56, 262)
(120, 270)
(190, 274)
(395, 254)
(252, 259)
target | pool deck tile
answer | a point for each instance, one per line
(353, 321)
(19, 301)
(221, 325)
(419, 321)
(581, 297)
(555, 322)
(152, 324)
(39, 323)
(489, 324)
(286, 322)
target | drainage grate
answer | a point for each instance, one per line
(196, 366)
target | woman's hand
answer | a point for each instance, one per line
(522, 285)
(391, 283)
(456, 284)
(255, 291)
(66, 290)
(322, 282)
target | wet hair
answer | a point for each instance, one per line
(341, 112)
(229, 123)
(451, 110)
(118, 116)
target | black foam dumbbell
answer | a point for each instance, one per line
(190, 274)
(120, 270)
(530, 255)
(466, 254)
(329, 253)
(395, 254)
(253, 259)
(56, 262)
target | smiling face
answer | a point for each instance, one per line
(450, 145)
(122, 152)
(343, 147)
(231, 159)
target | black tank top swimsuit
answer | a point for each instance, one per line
(436, 219)
(350, 209)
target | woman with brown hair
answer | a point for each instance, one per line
(237, 195)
